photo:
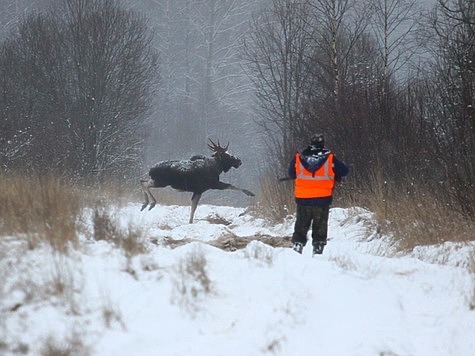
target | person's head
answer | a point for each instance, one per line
(317, 140)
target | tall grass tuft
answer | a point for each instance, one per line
(192, 282)
(106, 227)
(275, 199)
(41, 209)
(129, 239)
(412, 214)
(72, 344)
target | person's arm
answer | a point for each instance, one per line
(291, 170)
(340, 169)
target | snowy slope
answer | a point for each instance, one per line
(358, 298)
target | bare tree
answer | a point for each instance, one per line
(33, 68)
(12, 11)
(320, 68)
(205, 91)
(334, 103)
(453, 113)
(379, 66)
(113, 72)
(277, 50)
(83, 75)
(338, 26)
(393, 24)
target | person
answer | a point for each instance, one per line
(315, 171)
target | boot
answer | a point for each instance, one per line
(318, 247)
(298, 247)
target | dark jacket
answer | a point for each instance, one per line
(312, 159)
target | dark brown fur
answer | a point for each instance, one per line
(195, 175)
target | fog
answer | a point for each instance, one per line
(204, 89)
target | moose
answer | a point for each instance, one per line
(196, 175)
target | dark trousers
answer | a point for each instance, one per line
(315, 215)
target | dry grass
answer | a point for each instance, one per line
(191, 282)
(275, 199)
(232, 242)
(41, 209)
(344, 262)
(472, 264)
(112, 315)
(114, 192)
(61, 280)
(107, 228)
(414, 215)
(104, 229)
(260, 253)
(71, 345)
(46, 209)
(129, 239)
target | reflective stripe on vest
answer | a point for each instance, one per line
(320, 184)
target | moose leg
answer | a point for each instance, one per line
(194, 203)
(146, 185)
(223, 186)
(145, 203)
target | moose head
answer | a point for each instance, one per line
(222, 155)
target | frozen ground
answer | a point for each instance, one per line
(358, 298)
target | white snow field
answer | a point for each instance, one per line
(359, 298)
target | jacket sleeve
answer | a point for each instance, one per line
(340, 168)
(291, 170)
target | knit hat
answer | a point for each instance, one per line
(317, 140)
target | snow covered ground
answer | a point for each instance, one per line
(359, 298)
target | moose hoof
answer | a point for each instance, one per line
(143, 206)
(152, 205)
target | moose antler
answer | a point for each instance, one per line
(217, 147)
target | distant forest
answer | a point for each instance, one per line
(101, 89)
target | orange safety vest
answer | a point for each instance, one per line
(318, 185)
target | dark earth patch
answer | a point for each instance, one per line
(231, 242)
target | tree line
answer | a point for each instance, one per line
(76, 84)
(203, 91)
(92, 87)
(393, 90)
